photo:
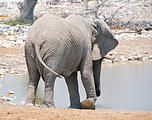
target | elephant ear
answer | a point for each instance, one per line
(105, 41)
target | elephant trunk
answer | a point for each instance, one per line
(96, 74)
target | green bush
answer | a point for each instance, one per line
(18, 21)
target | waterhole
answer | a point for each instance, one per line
(123, 87)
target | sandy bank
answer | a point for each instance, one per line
(33, 113)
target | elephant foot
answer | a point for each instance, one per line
(46, 105)
(87, 104)
(74, 106)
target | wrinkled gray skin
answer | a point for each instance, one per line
(57, 46)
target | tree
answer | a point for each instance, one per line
(26, 9)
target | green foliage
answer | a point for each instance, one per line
(18, 21)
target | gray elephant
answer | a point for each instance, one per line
(58, 47)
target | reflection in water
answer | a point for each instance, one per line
(124, 87)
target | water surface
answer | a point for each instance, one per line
(124, 87)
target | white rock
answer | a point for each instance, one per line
(123, 59)
(115, 60)
(1, 31)
(138, 57)
(145, 59)
(6, 27)
(108, 61)
(150, 57)
(130, 58)
(9, 93)
(12, 38)
(19, 42)
(5, 33)
(6, 45)
(7, 99)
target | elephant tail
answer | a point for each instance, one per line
(37, 48)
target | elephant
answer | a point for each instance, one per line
(60, 47)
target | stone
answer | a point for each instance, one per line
(150, 57)
(6, 45)
(5, 33)
(138, 57)
(6, 27)
(130, 58)
(115, 60)
(145, 52)
(9, 93)
(17, 28)
(107, 61)
(19, 42)
(11, 38)
(123, 59)
(145, 59)
(1, 31)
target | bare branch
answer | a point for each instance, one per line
(109, 19)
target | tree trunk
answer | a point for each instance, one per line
(26, 9)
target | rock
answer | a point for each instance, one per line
(9, 93)
(17, 28)
(150, 57)
(123, 59)
(7, 99)
(145, 52)
(6, 27)
(19, 42)
(1, 31)
(145, 59)
(11, 38)
(115, 60)
(131, 58)
(138, 57)
(5, 33)
(108, 61)
(6, 45)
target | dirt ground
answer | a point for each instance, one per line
(33, 113)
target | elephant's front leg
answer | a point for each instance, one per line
(72, 85)
(48, 101)
(88, 83)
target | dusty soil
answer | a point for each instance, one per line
(13, 51)
(33, 113)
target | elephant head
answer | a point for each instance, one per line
(103, 42)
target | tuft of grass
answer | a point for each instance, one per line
(18, 21)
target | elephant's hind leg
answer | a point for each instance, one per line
(72, 85)
(49, 79)
(34, 77)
